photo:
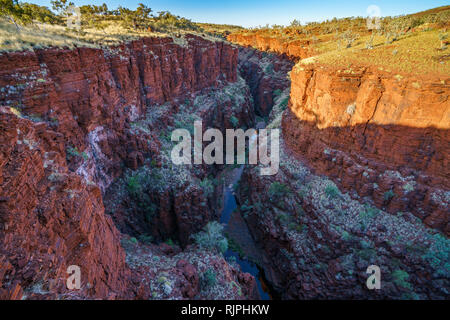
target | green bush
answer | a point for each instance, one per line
(207, 186)
(211, 237)
(388, 195)
(278, 190)
(284, 103)
(284, 218)
(234, 121)
(277, 92)
(400, 278)
(368, 213)
(438, 255)
(133, 185)
(331, 191)
(346, 236)
(72, 152)
(145, 238)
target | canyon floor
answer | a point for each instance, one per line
(87, 180)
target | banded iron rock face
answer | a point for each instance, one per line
(65, 117)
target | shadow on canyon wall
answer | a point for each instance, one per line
(401, 168)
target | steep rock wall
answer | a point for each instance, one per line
(98, 92)
(383, 135)
(265, 74)
(65, 120)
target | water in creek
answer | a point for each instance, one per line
(236, 227)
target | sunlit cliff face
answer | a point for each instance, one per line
(341, 98)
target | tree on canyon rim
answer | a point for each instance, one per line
(13, 11)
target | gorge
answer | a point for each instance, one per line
(86, 176)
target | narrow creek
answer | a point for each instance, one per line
(237, 227)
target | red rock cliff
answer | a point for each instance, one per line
(63, 121)
(97, 92)
(385, 135)
(382, 134)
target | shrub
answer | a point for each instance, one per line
(207, 187)
(400, 278)
(208, 279)
(347, 38)
(284, 218)
(170, 242)
(133, 185)
(284, 103)
(388, 195)
(438, 255)
(269, 69)
(145, 238)
(442, 37)
(234, 121)
(278, 190)
(369, 43)
(211, 237)
(276, 92)
(346, 236)
(14, 11)
(331, 191)
(368, 213)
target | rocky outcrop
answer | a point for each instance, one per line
(50, 218)
(382, 134)
(385, 136)
(382, 138)
(166, 272)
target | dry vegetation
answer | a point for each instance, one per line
(416, 43)
(25, 26)
(40, 35)
(221, 30)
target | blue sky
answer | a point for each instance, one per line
(260, 12)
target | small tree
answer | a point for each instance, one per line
(369, 43)
(14, 11)
(61, 6)
(208, 279)
(348, 37)
(39, 13)
(137, 19)
(295, 23)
